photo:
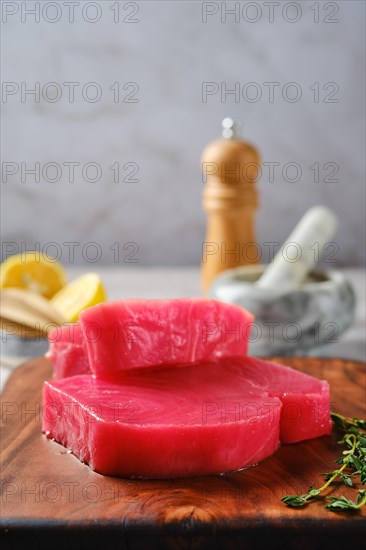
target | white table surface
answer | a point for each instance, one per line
(185, 282)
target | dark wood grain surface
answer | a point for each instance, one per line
(49, 499)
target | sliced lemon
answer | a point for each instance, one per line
(33, 271)
(85, 291)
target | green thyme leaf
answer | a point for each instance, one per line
(341, 503)
(294, 501)
(347, 480)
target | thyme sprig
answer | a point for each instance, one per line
(352, 463)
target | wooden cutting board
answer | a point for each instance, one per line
(49, 499)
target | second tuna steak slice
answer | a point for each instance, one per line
(67, 351)
(132, 334)
(305, 399)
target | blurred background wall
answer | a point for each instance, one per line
(108, 105)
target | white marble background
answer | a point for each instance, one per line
(169, 52)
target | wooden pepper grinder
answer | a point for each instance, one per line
(230, 168)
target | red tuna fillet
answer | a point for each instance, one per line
(67, 351)
(179, 422)
(305, 400)
(128, 334)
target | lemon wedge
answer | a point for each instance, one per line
(34, 272)
(85, 291)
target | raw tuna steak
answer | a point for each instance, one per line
(163, 423)
(210, 418)
(143, 333)
(67, 351)
(305, 399)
